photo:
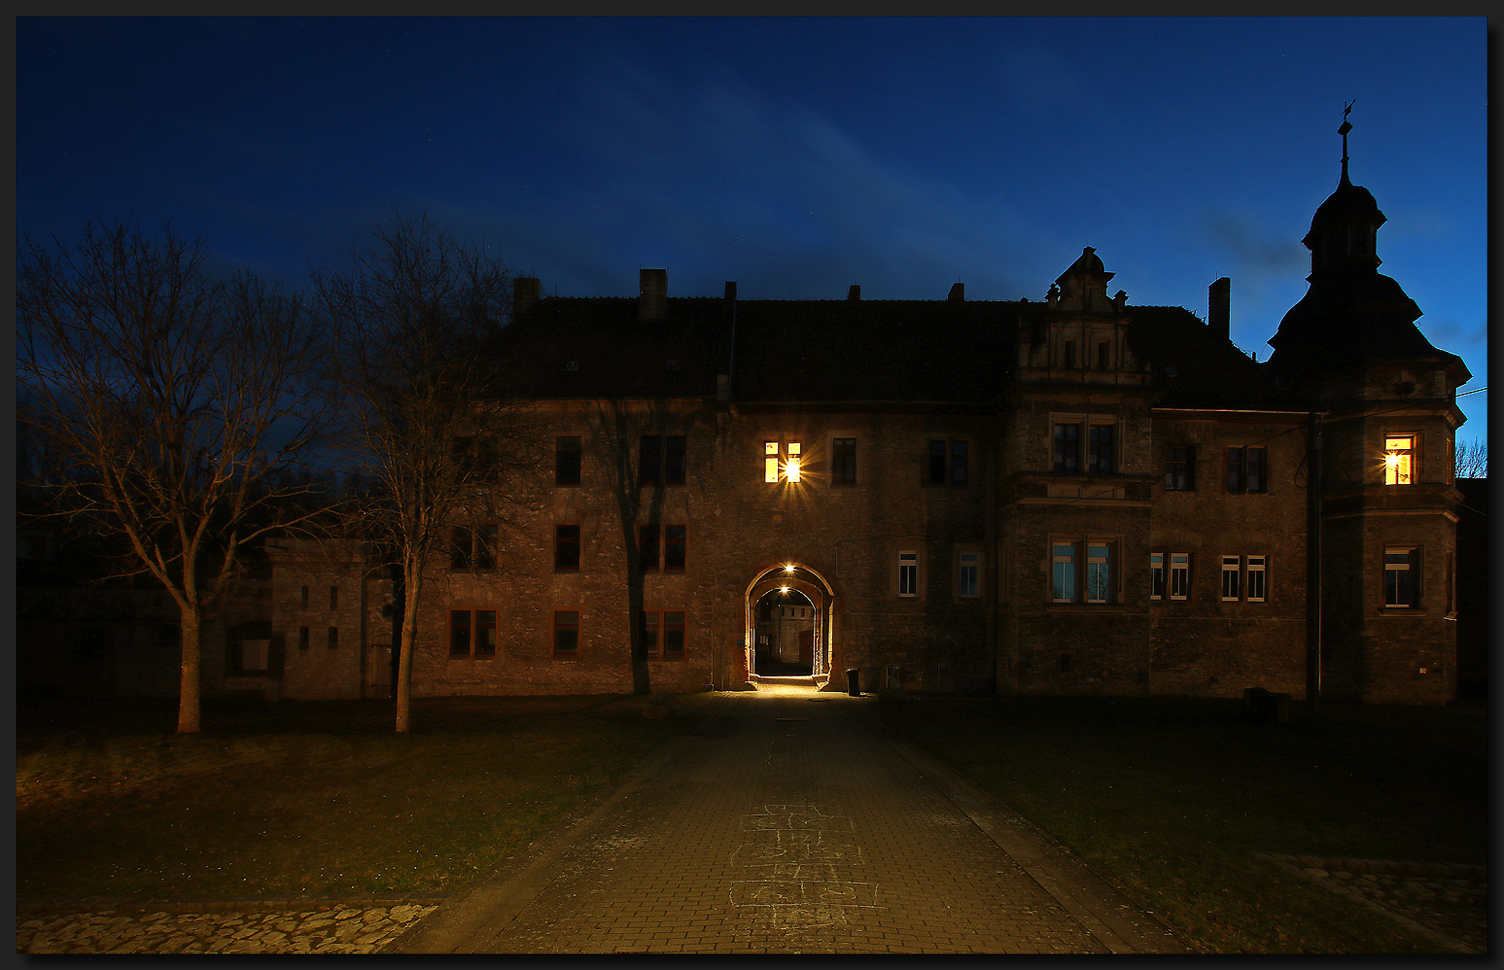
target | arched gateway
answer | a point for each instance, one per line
(787, 621)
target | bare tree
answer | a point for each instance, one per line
(166, 402)
(416, 316)
(1471, 459)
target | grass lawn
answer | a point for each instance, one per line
(303, 798)
(1172, 799)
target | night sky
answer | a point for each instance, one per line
(795, 156)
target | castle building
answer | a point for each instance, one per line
(1063, 496)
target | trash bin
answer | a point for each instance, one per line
(853, 685)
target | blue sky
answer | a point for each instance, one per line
(795, 156)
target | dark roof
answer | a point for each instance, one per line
(1196, 368)
(1346, 318)
(790, 351)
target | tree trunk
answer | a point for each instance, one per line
(405, 657)
(188, 687)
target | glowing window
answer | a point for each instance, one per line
(1399, 458)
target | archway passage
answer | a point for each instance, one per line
(783, 621)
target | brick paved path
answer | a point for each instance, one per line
(790, 823)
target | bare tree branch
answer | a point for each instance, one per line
(415, 315)
(167, 400)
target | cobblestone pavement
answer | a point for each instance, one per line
(251, 926)
(790, 824)
(1445, 903)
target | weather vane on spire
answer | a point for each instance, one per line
(1346, 127)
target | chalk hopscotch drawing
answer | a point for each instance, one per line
(803, 864)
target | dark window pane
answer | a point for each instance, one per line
(567, 461)
(937, 463)
(459, 633)
(958, 463)
(674, 546)
(650, 460)
(567, 547)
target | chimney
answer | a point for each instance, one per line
(526, 292)
(1218, 312)
(652, 304)
(731, 291)
(855, 293)
(957, 292)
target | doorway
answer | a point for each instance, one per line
(784, 634)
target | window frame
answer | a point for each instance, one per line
(675, 548)
(907, 563)
(1157, 576)
(1180, 470)
(649, 537)
(843, 461)
(565, 628)
(1180, 577)
(1232, 579)
(569, 460)
(1077, 443)
(1410, 568)
(1237, 460)
(1256, 565)
(949, 462)
(783, 460)
(564, 543)
(667, 641)
(973, 570)
(1409, 458)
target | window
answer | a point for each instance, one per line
(647, 547)
(1156, 575)
(1256, 589)
(567, 460)
(1399, 459)
(1104, 355)
(333, 640)
(843, 461)
(1098, 572)
(1180, 468)
(566, 548)
(476, 458)
(1247, 470)
(673, 635)
(788, 467)
(674, 542)
(1067, 448)
(472, 633)
(1099, 450)
(968, 574)
(304, 602)
(1402, 577)
(1063, 573)
(662, 634)
(303, 639)
(1069, 583)
(334, 597)
(1180, 575)
(566, 633)
(948, 462)
(650, 460)
(1100, 442)
(473, 547)
(908, 574)
(1068, 356)
(1232, 579)
(459, 633)
(461, 552)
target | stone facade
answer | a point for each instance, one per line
(1073, 495)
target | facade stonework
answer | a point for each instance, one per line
(1072, 495)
